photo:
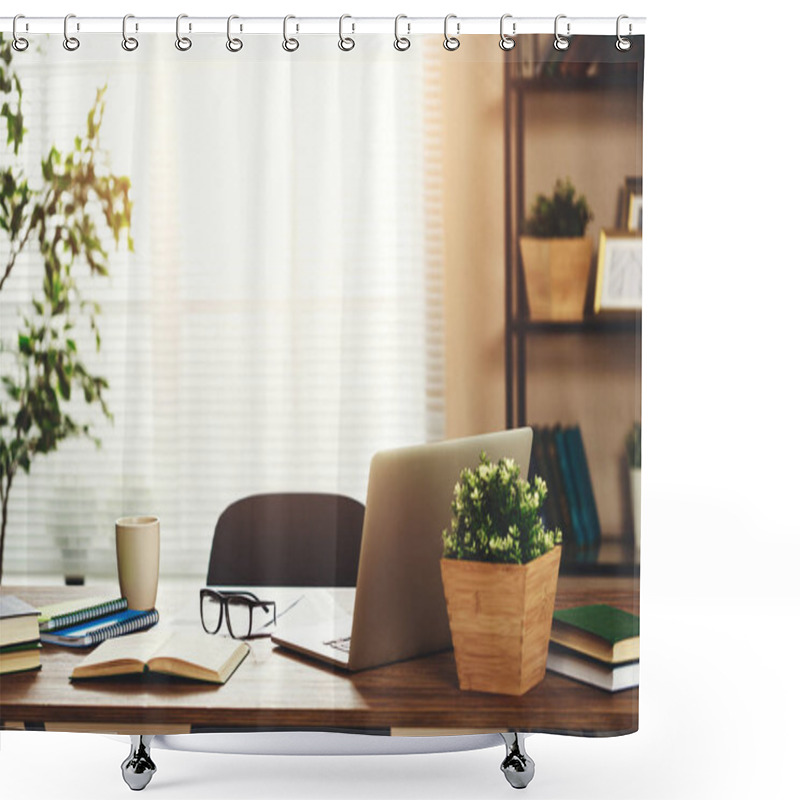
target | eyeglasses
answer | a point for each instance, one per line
(238, 608)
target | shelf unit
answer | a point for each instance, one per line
(522, 335)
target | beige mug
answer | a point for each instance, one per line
(138, 545)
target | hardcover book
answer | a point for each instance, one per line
(600, 631)
(198, 656)
(611, 678)
(17, 621)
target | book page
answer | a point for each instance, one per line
(138, 647)
(208, 652)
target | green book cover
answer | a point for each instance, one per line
(611, 624)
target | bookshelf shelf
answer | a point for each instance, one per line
(588, 372)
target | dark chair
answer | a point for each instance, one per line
(287, 540)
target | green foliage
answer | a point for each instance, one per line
(559, 216)
(497, 516)
(633, 446)
(61, 215)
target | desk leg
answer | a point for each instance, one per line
(517, 766)
(138, 768)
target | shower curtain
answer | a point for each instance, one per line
(238, 270)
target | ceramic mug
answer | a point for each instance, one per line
(138, 545)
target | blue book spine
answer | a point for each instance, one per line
(570, 488)
(583, 487)
(593, 518)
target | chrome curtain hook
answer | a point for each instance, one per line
(451, 43)
(289, 44)
(506, 42)
(183, 43)
(401, 43)
(129, 43)
(561, 42)
(71, 43)
(233, 44)
(346, 43)
(623, 44)
(19, 43)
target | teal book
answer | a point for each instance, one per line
(601, 631)
(586, 500)
(570, 488)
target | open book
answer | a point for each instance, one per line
(187, 654)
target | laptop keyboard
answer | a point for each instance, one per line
(342, 644)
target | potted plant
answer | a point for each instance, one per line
(633, 449)
(499, 570)
(556, 254)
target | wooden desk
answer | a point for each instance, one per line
(275, 690)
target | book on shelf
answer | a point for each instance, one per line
(73, 612)
(17, 621)
(22, 657)
(570, 488)
(98, 630)
(557, 489)
(193, 655)
(585, 502)
(610, 677)
(540, 465)
(601, 631)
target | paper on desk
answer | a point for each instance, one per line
(314, 608)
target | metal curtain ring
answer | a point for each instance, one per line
(561, 42)
(346, 43)
(129, 43)
(401, 43)
(623, 44)
(71, 43)
(19, 43)
(506, 42)
(183, 43)
(233, 44)
(451, 42)
(288, 44)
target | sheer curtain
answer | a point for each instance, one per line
(280, 318)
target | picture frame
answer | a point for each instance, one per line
(632, 205)
(618, 287)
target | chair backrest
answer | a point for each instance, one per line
(287, 540)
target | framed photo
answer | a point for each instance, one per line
(619, 272)
(632, 207)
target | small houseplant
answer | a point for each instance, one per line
(499, 570)
(557, 254)
(633, 449)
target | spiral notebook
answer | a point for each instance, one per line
(95, 631)
(74, 612)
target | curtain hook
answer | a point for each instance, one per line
(71, 43)
(129, 43)
(622, 44)
(19, 43)
(346, 43)
(233, 44)
(401, 43)
(451, 43)
(561, 42)
(289, 44)
(506, 42)
(183, 43)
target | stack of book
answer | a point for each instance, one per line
(19, 636)
(559, 457)
(86, 622)
(596, 644)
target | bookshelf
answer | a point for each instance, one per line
(560, 372)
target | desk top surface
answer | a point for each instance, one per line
(273, 689)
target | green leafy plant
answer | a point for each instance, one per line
(633, 446)
(61, 216)
(497, 516)
(560, 216)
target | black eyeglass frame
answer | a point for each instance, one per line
(245, 598)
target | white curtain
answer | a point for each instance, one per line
(280, 318)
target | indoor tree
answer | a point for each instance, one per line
(59, 216)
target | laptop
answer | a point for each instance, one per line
(398, 607)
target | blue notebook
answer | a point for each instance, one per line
(98, 630)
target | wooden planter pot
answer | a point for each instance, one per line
(556, 276)
(500, 617)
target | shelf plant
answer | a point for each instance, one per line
(557, 254)
(499, 570)
(58, 215)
